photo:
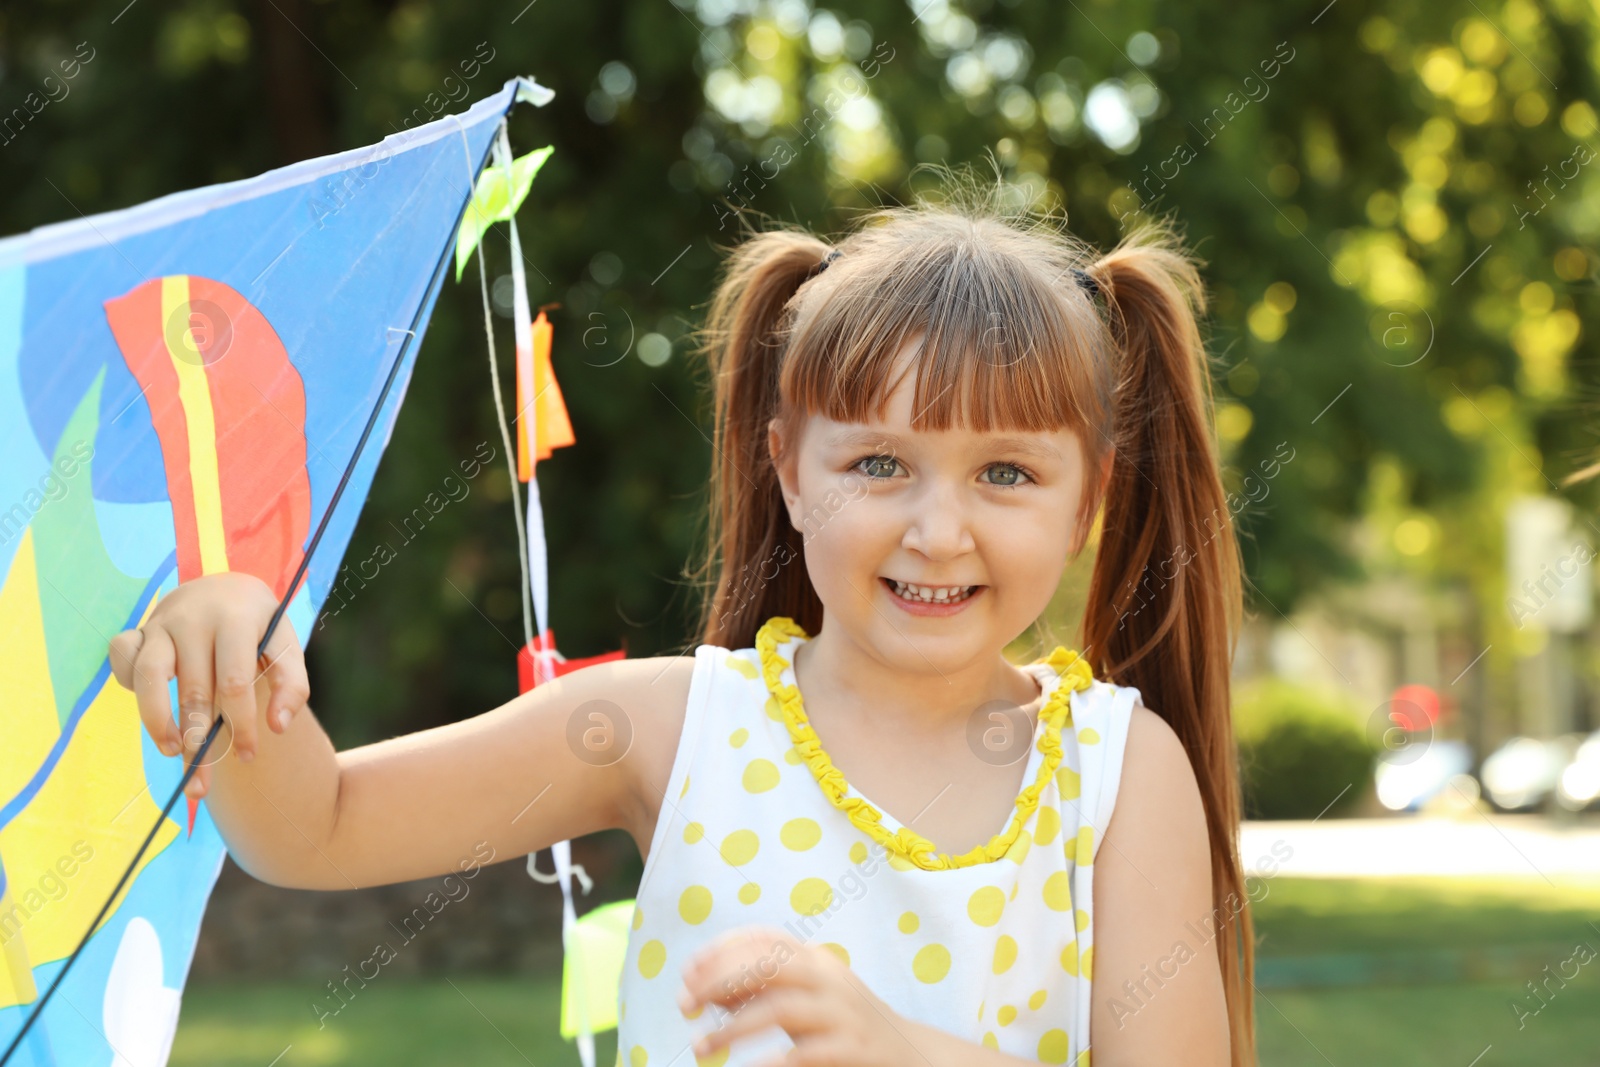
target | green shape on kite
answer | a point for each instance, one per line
(591, 972)
(83, 598)
(490, 204)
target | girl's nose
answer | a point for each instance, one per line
(939, 528)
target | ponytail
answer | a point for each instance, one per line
(754, 553)
(1165, 597)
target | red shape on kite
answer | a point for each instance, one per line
(253, 407)
(229, 406)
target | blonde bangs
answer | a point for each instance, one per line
(1000, 338)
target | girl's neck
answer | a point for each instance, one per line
(834, 672)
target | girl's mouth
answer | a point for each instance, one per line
(930, 599)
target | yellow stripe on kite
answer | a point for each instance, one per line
(194, 392)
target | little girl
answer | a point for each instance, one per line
(869, 839)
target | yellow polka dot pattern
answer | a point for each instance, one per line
(1085, 846)
(931, 963)
(811, 896)
(760, 775)
(740, 847)
(984, 906)
(1048, 826)
(651, 958)
(800, 834)
(695, 904)
(1005, 953)
(799, 851)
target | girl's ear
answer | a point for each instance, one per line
(783, 461)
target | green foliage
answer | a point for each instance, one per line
(1299, 749)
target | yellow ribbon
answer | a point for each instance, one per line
(1074, 675)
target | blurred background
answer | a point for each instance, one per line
(1398, 219)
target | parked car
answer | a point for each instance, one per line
(1579, 784)
(1524, 772)
(1409, 779)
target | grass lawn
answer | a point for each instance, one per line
(401, 1022)
(395, 1022)
(1433, 1023)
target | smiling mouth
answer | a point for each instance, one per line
(930, 594)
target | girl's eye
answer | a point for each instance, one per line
(877, 466)
(1009, 475)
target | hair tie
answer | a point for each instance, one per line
(822, 264)
(1087, 282)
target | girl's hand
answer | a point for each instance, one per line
(205, 634)
(768, 978)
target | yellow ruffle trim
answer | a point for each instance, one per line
(1074, 673)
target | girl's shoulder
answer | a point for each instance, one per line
(1159, 806)
(646, 701)
(649, 696)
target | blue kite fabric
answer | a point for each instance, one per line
(183, 384)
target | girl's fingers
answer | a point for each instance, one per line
(793, 1011)
(153, 668)
(124, 648)
(286, 676)
(823, 1050)
(236, 683)
(200, 784)
(196, 691)
(743, 963)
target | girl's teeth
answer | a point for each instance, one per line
(928, 594)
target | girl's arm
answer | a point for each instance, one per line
(568, 758)
(1157, 985)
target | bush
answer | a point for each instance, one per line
(1299, 749)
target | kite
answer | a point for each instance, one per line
(202, 383)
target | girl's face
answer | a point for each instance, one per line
(930, 547)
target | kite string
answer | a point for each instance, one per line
(527, 417)
(535, 562)
(500, 413)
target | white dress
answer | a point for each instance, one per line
(755, 830)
